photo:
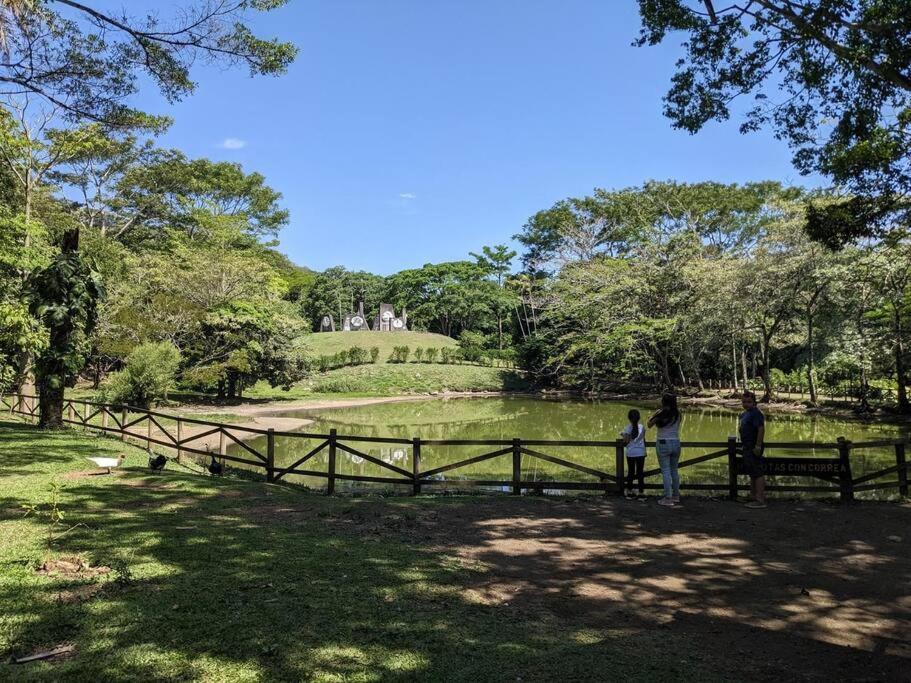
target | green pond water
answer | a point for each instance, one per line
(505, 418)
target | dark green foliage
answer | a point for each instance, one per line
(831, 77)
(64, 298)
(431, 354)
(374, 354)
(337, 291)
(471, 346)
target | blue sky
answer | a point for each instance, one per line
(410, 132)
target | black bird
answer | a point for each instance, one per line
(156, 462)
(215, 467)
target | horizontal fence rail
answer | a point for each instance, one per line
(170, 432)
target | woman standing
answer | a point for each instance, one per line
(667, 419)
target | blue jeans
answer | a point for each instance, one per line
(668, 457)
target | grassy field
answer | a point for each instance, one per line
(328, 343)
(178, 576)
(412, 378)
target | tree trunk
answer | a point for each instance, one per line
(50, 406)
(901, 377)
(811, 364)
(734, 360)
(743, 366)
(766, 376)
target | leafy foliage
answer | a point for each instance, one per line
(831, 77)
(148, 375)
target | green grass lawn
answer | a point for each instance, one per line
(214, 579)
(411, 378)
(328, 343)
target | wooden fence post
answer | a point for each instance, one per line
(516, 467)
(732, 467)
(619, 466)
(148, 432)
(124, 411)
(222, 442)
(179, 438)
(85, 416)
(416, 465)
(70, 411)
(845, 481)
(330, 482)
(270, 455)
(903, 468)
(104, 418)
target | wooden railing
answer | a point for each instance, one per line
(122, 421)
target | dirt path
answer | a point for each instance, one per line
(807, 591)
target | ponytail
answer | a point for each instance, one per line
(634, 417)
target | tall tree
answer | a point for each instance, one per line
(64, 297)
(832, 77)
(497, 261)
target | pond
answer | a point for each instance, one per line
(505, 418)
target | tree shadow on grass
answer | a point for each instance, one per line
(220, 579)
(220, 585)
(21, 454)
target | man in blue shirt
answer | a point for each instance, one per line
(752, 435)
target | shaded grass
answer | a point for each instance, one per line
(212, 581)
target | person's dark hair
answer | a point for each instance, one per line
(634, 417)
(749, 394)
(669, 414)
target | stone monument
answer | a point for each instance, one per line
(387, 321)
(327, 324)
(356, 322)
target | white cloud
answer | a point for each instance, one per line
(233, 143)
(407, 195)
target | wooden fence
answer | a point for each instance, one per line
(123, 421)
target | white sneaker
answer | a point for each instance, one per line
(666, 502)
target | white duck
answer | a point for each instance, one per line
(108, 463)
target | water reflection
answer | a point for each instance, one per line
(530, 418)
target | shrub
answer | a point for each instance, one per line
(431, 354)
(374, 354)
(357, 355)
(446, 355)
(399, 354)
(471, 345)
(419, 354)
(147, 376)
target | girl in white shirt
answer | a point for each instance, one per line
(634, 438)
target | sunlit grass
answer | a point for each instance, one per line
(210, 580)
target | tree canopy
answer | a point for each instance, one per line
(87, 60)
(831, 77)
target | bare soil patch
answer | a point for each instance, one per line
(71, 568)
(804, 590)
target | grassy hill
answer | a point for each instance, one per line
(414, 378)
(329, 343)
